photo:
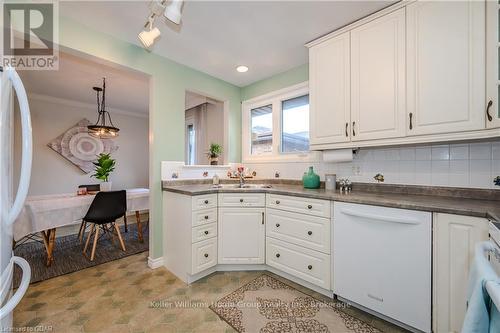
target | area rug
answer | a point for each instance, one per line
(267, 305)
(68, 256)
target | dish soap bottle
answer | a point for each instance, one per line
(310, 179)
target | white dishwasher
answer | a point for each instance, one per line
(382, 261)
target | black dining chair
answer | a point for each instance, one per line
(83, 225)
(103, 212)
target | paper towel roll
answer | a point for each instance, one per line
(338, 155)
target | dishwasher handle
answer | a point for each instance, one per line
(381, 218)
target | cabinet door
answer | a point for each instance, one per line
(329, 80)
(241, 236)
(492, 63)
(378, 78)
(446, 66)
(454, 240)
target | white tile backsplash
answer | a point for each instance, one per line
(440, 153)
(459, 152)
(459, 165)
(480, 151)
(423, 153)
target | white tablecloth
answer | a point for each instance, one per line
(45, 212)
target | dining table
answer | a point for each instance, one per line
(43, 214)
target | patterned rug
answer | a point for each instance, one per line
(267, 305)
(68, 256)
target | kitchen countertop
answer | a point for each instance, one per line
(424, 202)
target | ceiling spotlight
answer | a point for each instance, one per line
(149, 35)
(242, 69)
(173, 11)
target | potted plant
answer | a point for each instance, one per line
(214, 152)
(103, 168)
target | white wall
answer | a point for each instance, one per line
(53, 174)
(458, 165)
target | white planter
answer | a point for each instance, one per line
(106, 186)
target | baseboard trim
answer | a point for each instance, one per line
(155, 263)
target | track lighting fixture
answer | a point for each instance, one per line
(149, 35)
(172, 12)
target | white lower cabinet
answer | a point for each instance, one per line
(204, 255)
(298, 238)
(308, 265)
(241, 235)
(304, 230)
(454, 239)
(190, 234)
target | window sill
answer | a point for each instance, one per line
(284, 158)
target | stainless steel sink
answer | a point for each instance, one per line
(245, 186)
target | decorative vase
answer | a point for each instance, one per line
(310, 179)
(214, 160)
(105, 186)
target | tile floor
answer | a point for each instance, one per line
(126, 296)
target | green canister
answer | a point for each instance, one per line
(310, 179)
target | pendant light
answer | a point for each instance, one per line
(101, 129)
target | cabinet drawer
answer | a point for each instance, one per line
(309, 231)
(204, 216)
(315, 207)
(204, 231)
(204, 255)
(204, 201)
(308, 265)
(242, 199)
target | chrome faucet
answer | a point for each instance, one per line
(242, 179)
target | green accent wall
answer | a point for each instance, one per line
(168, 82)
(279, 81)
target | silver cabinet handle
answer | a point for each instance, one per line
(381, 218)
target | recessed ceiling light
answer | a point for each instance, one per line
(242, 69)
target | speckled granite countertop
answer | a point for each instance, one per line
(471, 202)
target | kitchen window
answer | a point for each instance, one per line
(262, 129)
(275, 127)
(295, 124)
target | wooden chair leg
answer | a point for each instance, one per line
(81, 232)
(112, 233)
(96, 236)
(88, 238)
(125, 222)
(139, 226)
(50, 249)
(119, 237)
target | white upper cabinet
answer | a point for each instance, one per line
(492, 64)
(378, 78)
(445, 66)
(329, 82)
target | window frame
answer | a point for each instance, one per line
(274, 98)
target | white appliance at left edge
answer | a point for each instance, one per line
(11, 206)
